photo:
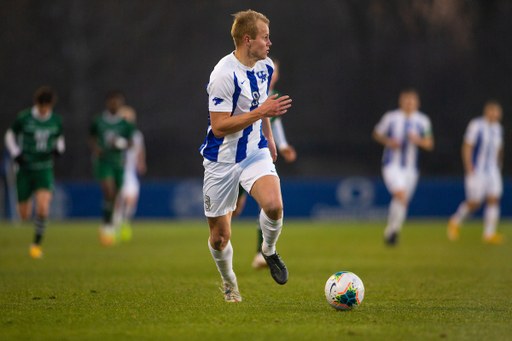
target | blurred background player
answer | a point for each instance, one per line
(134, 166)
(401, 132)
(285, 150)
(482, 157)
(35, 137)
(109, 135)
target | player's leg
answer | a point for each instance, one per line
(220, 190)
(492, 210)
(107, 231)
(267, 193)
(43, 200)
(474, 186)
(24, 188)
(395, 181)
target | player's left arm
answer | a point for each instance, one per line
(287, 151)
(267, 132)
(141, 158)
(60, 142)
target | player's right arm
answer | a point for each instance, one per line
(468, 146)
(380, 133)
(10, 140)
(224, 124)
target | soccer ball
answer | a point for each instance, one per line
(344, 290)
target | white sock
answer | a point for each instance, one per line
(461, 213)
(491, 218)
(271, 230)
(224, 261)
(396, 217)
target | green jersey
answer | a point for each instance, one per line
(37, 138)
(106, 128)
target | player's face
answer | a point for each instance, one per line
(260, 46)
(44, 109)
(114, 104)
(493, 112)
(409, 102)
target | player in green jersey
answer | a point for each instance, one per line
(33, 140)
(285, 150)
(109, 135)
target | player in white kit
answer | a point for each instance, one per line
(482, 156)
(239, 147)
(401, 132)
(134, 166)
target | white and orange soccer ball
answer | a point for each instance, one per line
(344, 290)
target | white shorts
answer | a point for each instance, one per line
(397, 179)
(481, 185)
(131, 185)
(221, 180)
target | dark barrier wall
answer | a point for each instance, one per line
(334, 199)
(342, 61)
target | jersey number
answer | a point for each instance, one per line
(256, 98)
(41, 137)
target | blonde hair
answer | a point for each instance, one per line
(246, 23)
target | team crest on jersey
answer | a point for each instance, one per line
(217, 100)
(207, 203)
(262, 75)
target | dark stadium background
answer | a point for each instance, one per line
(342, 62)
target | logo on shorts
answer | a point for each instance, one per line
(207, 204)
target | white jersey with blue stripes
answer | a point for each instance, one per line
(487, 140)
(398, 126)
(132, 153)
(237, 89)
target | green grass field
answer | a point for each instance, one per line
(164, 284)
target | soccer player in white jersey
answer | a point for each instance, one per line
(401, 132)
(239, 147)
(482, 157)
(134, 166)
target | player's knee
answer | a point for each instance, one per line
(219, 242)
(493, 201)
(274, 210)
(473, 205)
(42, 211)
(24, 214)
(400, 196)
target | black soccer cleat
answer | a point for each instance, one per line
(392, 240)
(277, 268)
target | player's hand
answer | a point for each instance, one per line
(414, 138)
(288, 153)
(392, 143)
(20, 160)
(274, 106)
(273, 149)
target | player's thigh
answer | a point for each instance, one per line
(25, 209)
(411, 183)
(220, 188)
(474, 186)
(494, 186)
(24, 185)
(394, 179)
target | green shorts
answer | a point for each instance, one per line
(104, 170)
(29, 181)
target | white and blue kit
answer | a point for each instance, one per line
(131, 184)
(487, 140)
(242, 157)
(400, 166)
